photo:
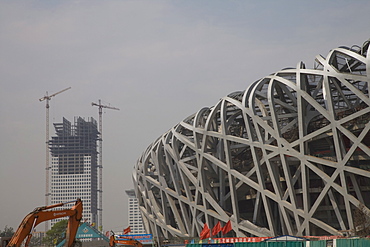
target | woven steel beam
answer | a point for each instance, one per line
(289, 155)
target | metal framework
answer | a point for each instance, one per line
(74, 167)
(100, 190)
(289, 155)
(47, 98)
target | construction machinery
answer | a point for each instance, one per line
(47, 98)
(100, 191)
(128, 242)
(41, 214)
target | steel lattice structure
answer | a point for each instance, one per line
(289, 155)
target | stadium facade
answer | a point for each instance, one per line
(289, 155)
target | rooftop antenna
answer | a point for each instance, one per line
(100, 190)
(47, 167)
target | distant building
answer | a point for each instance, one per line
(39, 235)
(134, 217)
(74, 168)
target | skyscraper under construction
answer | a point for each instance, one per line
(74, 168)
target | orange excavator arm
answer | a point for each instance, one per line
(73, 223)
(40, 215)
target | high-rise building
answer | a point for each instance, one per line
(74, 165)
(134, 217)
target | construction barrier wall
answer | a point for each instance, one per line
(356, 242)
(250, 244)
(345, 242)
(219, 245)
(254, 244)
(320, 243)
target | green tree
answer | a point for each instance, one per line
(8, 232)
(56, 234)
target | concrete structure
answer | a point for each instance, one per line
(74, 166)
(287, 156)
(134, 216)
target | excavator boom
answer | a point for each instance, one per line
(40, 215)
(73, 223)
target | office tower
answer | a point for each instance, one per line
(74, 168)
(134, 217)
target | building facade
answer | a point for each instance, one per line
(74, 166)
(290, 155)
(134, 216)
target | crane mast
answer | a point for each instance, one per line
(47, 98)
(100, 190)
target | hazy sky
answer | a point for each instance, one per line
(158, 61)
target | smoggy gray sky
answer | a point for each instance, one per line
(158, 61)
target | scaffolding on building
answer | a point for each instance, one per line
(71, 146)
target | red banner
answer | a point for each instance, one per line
(126, 230)
(206, 232)
(324, 237)
(259, 239)
(216, 229)
(226, 228)
(235, 240)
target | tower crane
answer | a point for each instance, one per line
(47, 98)
(100, 206)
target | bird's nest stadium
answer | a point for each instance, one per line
(289, 155)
